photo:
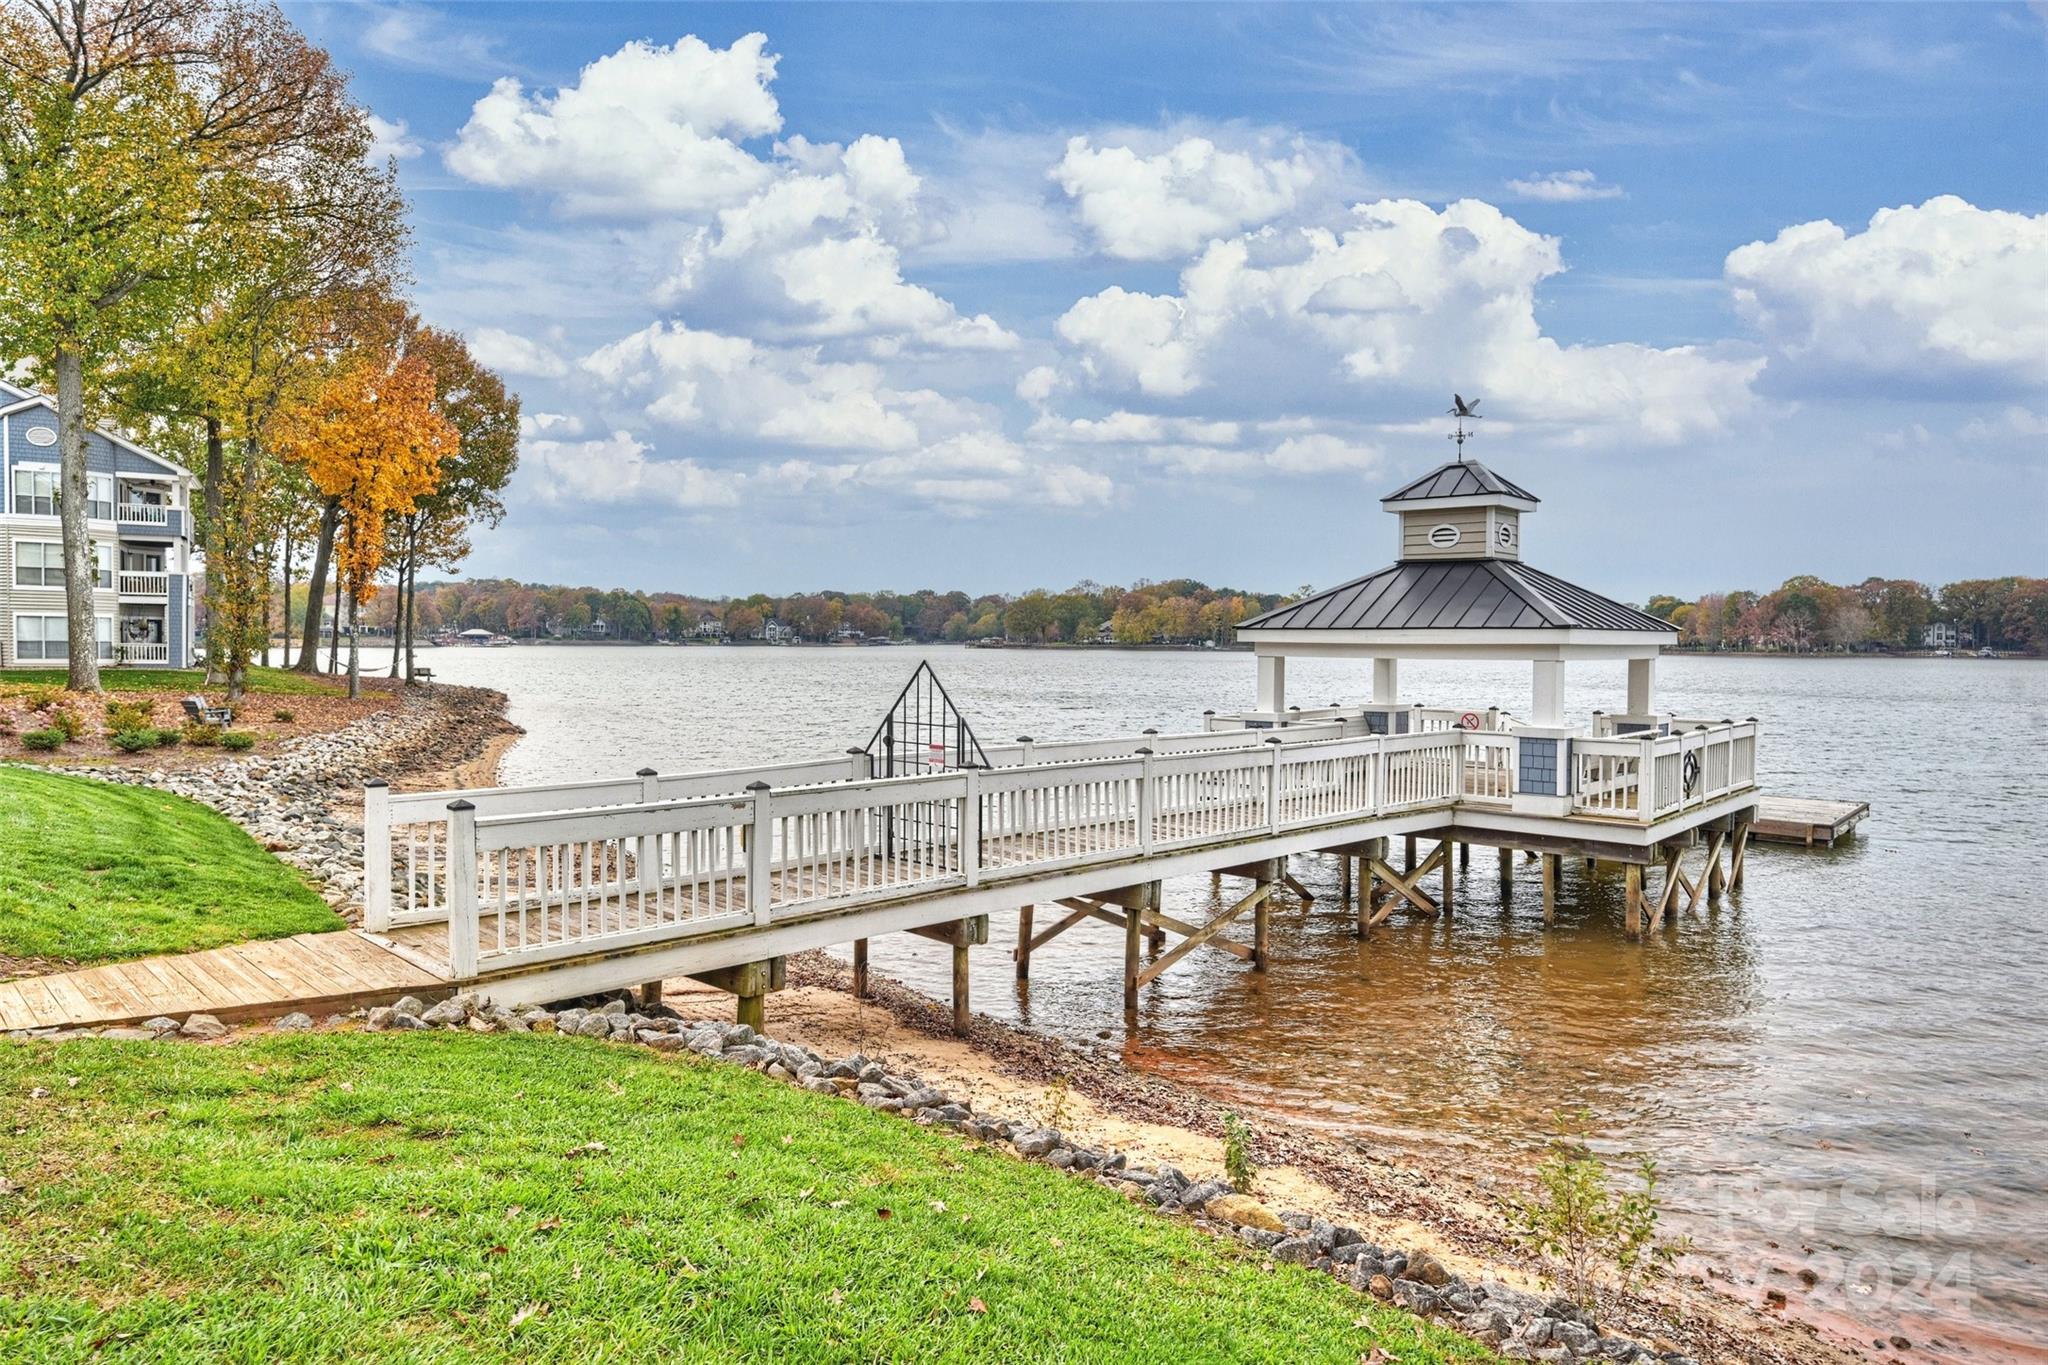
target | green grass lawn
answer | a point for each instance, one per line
(92, 872)
(444, 1197)
(262, 681)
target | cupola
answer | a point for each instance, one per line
(1461, 510)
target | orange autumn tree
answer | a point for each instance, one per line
(371, 441)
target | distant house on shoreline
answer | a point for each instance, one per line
(138, 517)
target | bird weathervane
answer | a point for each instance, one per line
(1461, 410)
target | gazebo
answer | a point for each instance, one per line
(1460, 590)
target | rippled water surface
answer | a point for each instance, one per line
(1845, 1059)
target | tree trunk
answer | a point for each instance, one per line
(334, 638)
(209, 488)
(285, 611)
(316, 588)
(412, 607)
(79, 569)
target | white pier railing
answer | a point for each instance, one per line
(529, 875)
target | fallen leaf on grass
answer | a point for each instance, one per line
(938, 1206)
(838, 1204)
(885, 1214)
(976, 1306)
(591, 1148)
(532, 1310)
(806, 1192)
(1056, 1241)
(614, 1086)
(498, 1250)
(836, 1297)
(547, 1225)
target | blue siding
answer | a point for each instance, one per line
(174, 624)
(1541, 766)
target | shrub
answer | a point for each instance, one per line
(199, 734)
(238, 740)
(65, 719)
(127, 717)
(41, 696)
(283, 716)
(1587, 1229)
(44, 740)
(167, 738)
(1237, 1153)
(133, 741)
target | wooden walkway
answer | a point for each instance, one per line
(1805, 820)
(310, 972)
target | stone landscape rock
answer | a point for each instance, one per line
(295, 1023)
(204, 1026)
(1244, 1211)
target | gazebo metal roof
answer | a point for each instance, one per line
(1458, 479)
(1462, 594)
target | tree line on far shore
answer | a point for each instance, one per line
(1177, 611)
(1805, 614)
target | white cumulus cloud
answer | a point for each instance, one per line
(1403, 298)
(616, 469)
(644, 130)
(1169, 203)
(390, 138)
(513, 354)
(1927, 295)
(1564, 187)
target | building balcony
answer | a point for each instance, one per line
(154, 586)
(149, 518)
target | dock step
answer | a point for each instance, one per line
(1805, 820)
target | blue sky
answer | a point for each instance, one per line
(1006, 296)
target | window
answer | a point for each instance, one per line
(99, 497)
(37, 565)
(35, 492)
(48, 638)
(40, 564)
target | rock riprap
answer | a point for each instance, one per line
(285, 799)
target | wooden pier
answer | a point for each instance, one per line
(1806, 820)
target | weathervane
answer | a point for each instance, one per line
(1460, 409)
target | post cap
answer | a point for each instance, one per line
(1272, 739)
(1026, 739)
(757, 786)
(1599, 713)
(1146, 752)
(376, 782)
(1210, 712)
(460, 804)
(646, 772)
(1151, 730)
(854, 749)
(1752, 720)
(1294, 708)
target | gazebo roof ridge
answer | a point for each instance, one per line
(1460, 478)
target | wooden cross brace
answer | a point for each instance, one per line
(1406, 888)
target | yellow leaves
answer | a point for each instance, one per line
(374, 439)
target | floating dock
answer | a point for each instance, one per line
(1805, 820)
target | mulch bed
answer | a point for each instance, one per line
(257, 713)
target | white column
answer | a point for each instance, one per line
(1386, 681)
(1642, 681)
(1272, 682)
(1547, 692)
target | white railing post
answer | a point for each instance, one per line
(1273, 788)
(647, 848)
(1024, 761)
(377, 855)
(970, 828)
(860, 766)
(1646, 779)
(463, 930)
(760, 854)
(1148, 802)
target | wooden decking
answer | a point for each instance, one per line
(246, 980)
(1805, 820)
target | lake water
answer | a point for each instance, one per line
(1840, 1069)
